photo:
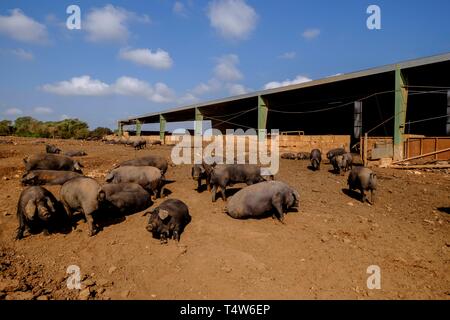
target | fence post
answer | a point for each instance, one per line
(365, 149)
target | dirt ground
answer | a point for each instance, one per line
(322, 252)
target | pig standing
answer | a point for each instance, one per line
(316, 158)
(150, 161)
(363, 179)
(50, 177)
(43, 161)
(200, 172)
(140, 144)
(150, 178)
(83, 195)
(342, 162)
(127, 198)
(224, 175)
(259, 199)
(168, 220)
(37, 207)
(335, 152)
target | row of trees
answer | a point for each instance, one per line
(65, 129)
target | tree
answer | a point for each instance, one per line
(26, 127)
(5, 128)
(100, 132)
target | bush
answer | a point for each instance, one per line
(6, 128)
(65, 129)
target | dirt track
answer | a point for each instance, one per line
(322, 252)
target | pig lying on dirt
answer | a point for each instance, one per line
(127, 198)
(75, 153)
(37, 207)
(303, 155)
(49, 177)
(150, 161)
(289, 156)
(43, 161)
(262, 198)
(50, 148)
(150, 178)
(363, 179)
(82, 195)
(224, 175)
(168, 220)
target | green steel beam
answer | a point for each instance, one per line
(198, 122)
(401, 104)
(262, 117)
(138, 128)
(119, 128)
(162, 128)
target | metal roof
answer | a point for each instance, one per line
(358, 74)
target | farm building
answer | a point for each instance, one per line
(402, 108)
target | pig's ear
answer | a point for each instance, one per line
(50, 204)
(30, 209)
(163, 214)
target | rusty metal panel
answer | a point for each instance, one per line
(417, 146)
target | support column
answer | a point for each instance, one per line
(401, 104)
(198, 122)
(357, 120)
(138, 128)
(162, 129)
(119, 129)
(262, 117)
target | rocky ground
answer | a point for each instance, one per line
(322, 252)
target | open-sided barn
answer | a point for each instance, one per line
(403, 108)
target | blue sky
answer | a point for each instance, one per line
(134, 57)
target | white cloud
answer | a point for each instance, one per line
(188, 98)
(310, 34)
(297, 80)
(213, 85)
(81, 86)
(233, 19)
(22, 28)
(127, 86)
(288, 55)
(42, 110)
(64, 117)
(225, 80)
(236, 89)
(13, 112)
(226, 68)
(159, 59)
(110, 24)
(23, 54)
(179, 9)
(159, 93)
